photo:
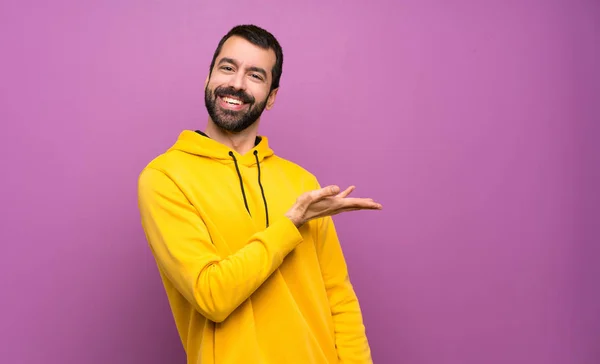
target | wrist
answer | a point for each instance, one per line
(296, 220)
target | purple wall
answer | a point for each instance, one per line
(475, 124)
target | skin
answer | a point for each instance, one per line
(242, 66)
(242, 74)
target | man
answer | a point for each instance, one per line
(243, 239)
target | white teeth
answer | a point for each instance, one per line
(232, 101)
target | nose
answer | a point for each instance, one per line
(238, 81)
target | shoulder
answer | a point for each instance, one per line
(174, 164)
(168, 160)
(294, 169)
(161, 168)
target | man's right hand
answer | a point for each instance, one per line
(327, 201)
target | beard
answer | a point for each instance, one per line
(233, 121)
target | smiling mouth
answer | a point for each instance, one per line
(231, 103)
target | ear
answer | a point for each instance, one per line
(271, 99)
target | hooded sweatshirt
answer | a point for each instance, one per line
(244, 284)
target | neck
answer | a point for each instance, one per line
(241, 142)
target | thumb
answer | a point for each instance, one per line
(328, 191)
(346, 192)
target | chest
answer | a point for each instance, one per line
(236, 205)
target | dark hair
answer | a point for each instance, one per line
(261, 38)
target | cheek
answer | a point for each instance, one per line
(259, 93)
(217, 80)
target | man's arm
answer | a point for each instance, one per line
(182, 247)
(350, 337)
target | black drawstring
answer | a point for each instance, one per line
(241, 183)
(259, 183)
(261, 187)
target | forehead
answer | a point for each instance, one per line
(247, 54)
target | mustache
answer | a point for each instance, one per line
(230, 91)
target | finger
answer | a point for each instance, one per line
(346, 192)
(326, 192)
(361, 203)
(369, 208)
(348, 209)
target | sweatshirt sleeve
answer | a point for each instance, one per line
(182, 247)
(350, 335)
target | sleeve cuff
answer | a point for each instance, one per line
(283, 236)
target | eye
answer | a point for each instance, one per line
(257, 76)
(227, 68)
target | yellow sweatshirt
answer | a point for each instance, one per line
(244, 284)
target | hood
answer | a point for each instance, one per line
(198, 143)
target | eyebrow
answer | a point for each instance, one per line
(235, 63)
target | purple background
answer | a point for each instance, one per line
(474, 123)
